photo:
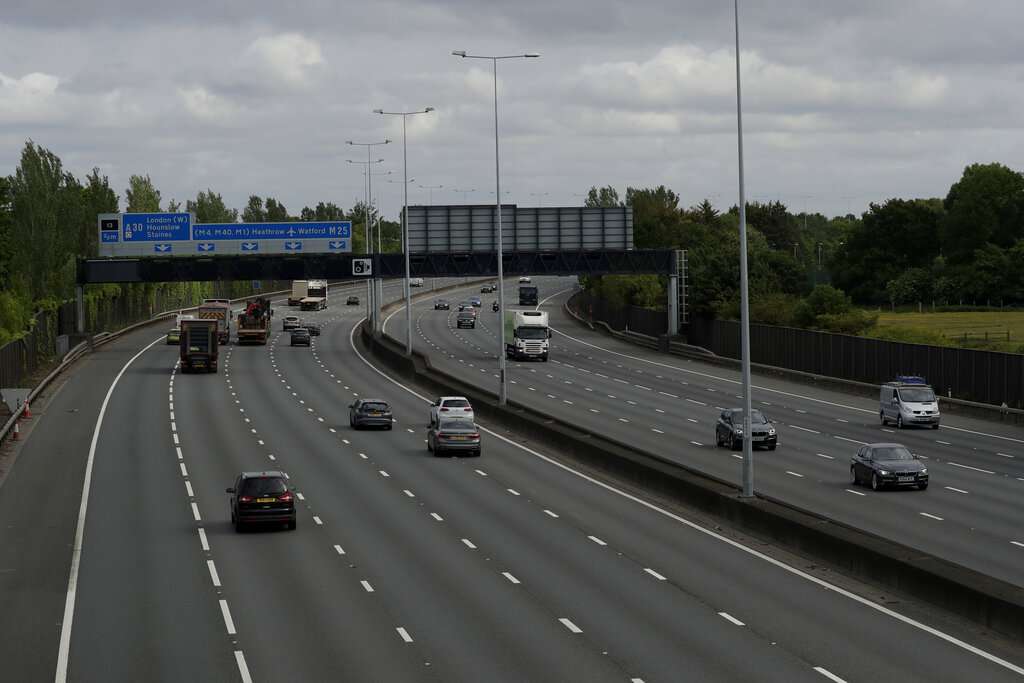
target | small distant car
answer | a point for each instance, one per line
(487, 289)
(442, 305)
(881, 465)
(301, 337)
(261, 497)
(524, 279)
(475, 300)
(314, 329)
(174, 335)
(466, 319)
(465, 305)
(452, 406)
(415, 282)
(460, 436)
(290, 322)
(729, 430)
(352, 301)
(369, 412)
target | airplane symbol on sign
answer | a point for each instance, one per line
(291, 232)
(250, 246)
(161, 247)
(293, 246)
(205, 246)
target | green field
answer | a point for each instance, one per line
(971, 329)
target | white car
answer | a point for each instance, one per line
(291, 322)
(455, 407)
(415, 282)
(524, 279)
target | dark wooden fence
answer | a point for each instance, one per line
(972, 375)
(633, 318)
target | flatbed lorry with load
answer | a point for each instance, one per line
(527, 335)
(221, 312)
(197, 348)
(254, 323)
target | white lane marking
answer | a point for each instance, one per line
(573, 628)
(172, 417)
(594, 410)
(665, 393)
(318, 521)
(383, 473)
(469, 544)
(184, 472)
(1017, 543)
(944, 443)
(260, 442)
(968, 467)
(929, 516)
(511, 578)
(229, 623)
(366, 586)
(597, 540)
(655, 574)
(640, 386)
(481, 473)
(271, 456)
(404, 634)
(864, 602)
(363, 456)
(955, 489)
(568, 402)
(829, 675)
(345, 441)
(513, 492)
(175, 435)
(622, 419)
(856, 493)
(657, 431)
(338, 549)
(1005, 455)
(551, 514)
(690, 419)
(730, 618)
(213, 573)
(843, 438)
(659, 410)
(202, 540)
(243, 668)
(822, 455)
(437, 516)
(696, 443)
(195, 513)
(299, 496)
(700, 403)
(320, 419)
(839, 419)
(188, 489)
(805, 429)
(795, 474)
(736, 455)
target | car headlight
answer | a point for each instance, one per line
(884, 473)
(924, 470)
(738, 430)
(771, 431)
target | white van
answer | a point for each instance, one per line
(415, 282)
(908, 401)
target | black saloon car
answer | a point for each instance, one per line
(442, 305)
(466, 319)
(300, 337)
(352, 301)
(369, 412)
(313, 329)
(729, 430)
(261, 497)
(887, 464)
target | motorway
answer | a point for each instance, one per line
(512, 566)
(668, 405)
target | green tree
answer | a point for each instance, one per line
(209, 207)
(705, 213)
(141, 196)
(253, 211)
(985, 205)
(276, 211)
(606, 196)
(656, 217)
(97, 197)
(173, 206)
(774, 221)
(5, 233)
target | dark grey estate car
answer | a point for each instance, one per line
(453, 435)
(729, 430)
(369, 412)
(887, 464)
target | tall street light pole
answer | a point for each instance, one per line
(378, 282)
(430, 189)
(399, 182)
(375, 306)
(405, 218)
(503, 379)
(748, 454)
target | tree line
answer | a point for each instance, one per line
(48, 220)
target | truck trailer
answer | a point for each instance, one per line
(221, 312)
(254, 322)
(528, 295)
(527, 335)
(299, 292)
(197, 348)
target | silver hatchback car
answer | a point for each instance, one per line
(454, 435)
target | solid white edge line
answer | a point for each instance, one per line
(63, 647)
(243, 668)
(730, 618)
(573, 628)
(829, 675)
(511, 578)
(735, 544)
(655, 574)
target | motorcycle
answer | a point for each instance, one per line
(494, 307)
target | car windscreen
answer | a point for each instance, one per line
(261, 486)
(917, 394)
(756, 417)
(375, 407)
(455, 403)
(891, 453)
(533, 333)
(457, 426)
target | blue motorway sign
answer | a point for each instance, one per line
(156, 227)
(272, 231)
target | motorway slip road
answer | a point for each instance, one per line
(409, 567)
(669, 405)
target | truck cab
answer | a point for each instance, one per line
(527, 335)
(528, 295)
(909, 401)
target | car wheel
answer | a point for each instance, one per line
(736, 445)
(881, 416)
(922, 487)
(476, 453)
(854, 479)
(935, 426)
(388, 427)
(773, 446)
(430, 446)
(875, 483)
(291, 525)
(899, 422)
(238, 527)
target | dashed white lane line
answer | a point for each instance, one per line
(513, 492)
(468, 543)
(550, 513)
(481, 473)
(175, 436)
(188, 489)
(573, 628)
(1017, 543)
(437, 516)
(843, 438)
(404, 634)
(594, 410)
(731, 619)
(511, 578)
(383, 473)
(655, 574)
(944, 443)
(823, 455)
(271, 456)
(243, 668)
(930, 516)
(195, 513)
(856, 493)
(736, 455)
(213, 573)
(829, 675)
(338, 549)
(700, 403)
(696, 443)
(229, 623)
(690, 419)
(795, 474)
(1005, 455)
(597, 540)
(665, 393)
(968, 467)
(203, 541)
(656, 431)
(408, 493)
(319, 522)
(955, 489)
(366, 586)
(805, 429)
(622, 419)
(659, 410)
(345, 441)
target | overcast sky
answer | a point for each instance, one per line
(844, 102)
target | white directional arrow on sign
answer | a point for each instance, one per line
(205, 246)
(161, 247)
(293, 246)
(336, 244)
(250, 246)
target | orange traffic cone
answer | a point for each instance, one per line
(27, 413)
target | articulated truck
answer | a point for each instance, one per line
(254, 322)
(527, 335)
(197, 347)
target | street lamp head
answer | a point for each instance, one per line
(378, 111)
(349, 142)
(459, 53)
(387, 141)
(428, 110)
(532, 54)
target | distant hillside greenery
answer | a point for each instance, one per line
(48, 220)
(808, 270)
